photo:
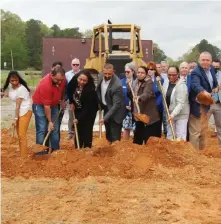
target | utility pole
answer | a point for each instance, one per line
(12, 60)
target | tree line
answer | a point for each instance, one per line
(24, 40)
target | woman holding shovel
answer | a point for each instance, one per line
(176, 93)
(19, 93)
(84, 103)
(153, 73)
(144, 100)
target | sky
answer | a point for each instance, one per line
(175, 26)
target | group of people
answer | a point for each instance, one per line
(119, 99)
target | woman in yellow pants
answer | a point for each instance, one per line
(19, 93)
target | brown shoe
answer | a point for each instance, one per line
(214, 135)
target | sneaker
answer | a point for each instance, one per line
(214, 135)
(45, 152)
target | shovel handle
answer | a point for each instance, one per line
(100, 125)
(76, 132)
(136, 103)
(48, 134)
(165, 105)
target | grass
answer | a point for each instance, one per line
(31, 79)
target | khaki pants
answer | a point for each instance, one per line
(21, 128)
(198, 131)
(215, 109)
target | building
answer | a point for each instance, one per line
(65, 49)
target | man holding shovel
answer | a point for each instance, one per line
(46, 99)
(203, 84)
(110, 95)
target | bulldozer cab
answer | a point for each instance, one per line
(116, 44)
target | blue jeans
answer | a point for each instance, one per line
(41, 124)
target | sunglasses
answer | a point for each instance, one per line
(127, 71)
(173, 75)
(75, 64)
(151, 69)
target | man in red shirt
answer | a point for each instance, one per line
(46, 100)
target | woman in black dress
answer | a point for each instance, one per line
(83, 99)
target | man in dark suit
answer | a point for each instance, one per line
(203, 79)
(110, 94)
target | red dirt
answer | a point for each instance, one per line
(123, 159)
(162, 182)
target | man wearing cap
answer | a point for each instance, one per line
(75, 64)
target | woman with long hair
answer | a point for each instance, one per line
(128, 123)
(19, 93)
(145, 96)
(153, 73)
(83, 99)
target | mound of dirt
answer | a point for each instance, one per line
(122, 159)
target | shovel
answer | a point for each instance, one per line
(141, 117)
(205, 99)
(42, 147)
(76, 132)
(165, 106)
(100, 125)
(13, 139)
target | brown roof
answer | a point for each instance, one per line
(65, 49)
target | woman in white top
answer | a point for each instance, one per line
(19, 93)
(176, 93)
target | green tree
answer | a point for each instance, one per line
(158, 54)
(46, 31)
(34, 43)
(218, 52)
(194, 53)
(16, 46)
(11, 25)
(71, 33)
(56, 31)
(205, 46)
(88, 34)
(13, 38)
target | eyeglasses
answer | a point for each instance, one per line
(151, 69)
(127, 71)
(75, 64)
(172, 74)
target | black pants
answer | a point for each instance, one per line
(143, 132)
(160, 126)
(113, 129)
(187, 133)
(85, 132)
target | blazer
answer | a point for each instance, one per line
(114, 98)
(200, 83)
(88, 99)
(179, 103)
(159, 99)
(147, 99)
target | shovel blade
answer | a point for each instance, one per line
(142, 117)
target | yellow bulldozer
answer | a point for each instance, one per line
(117, 44)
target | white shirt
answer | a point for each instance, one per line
(210, 78)
(164, 76)
(70, 74)
(104, 86)
(21, 92)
